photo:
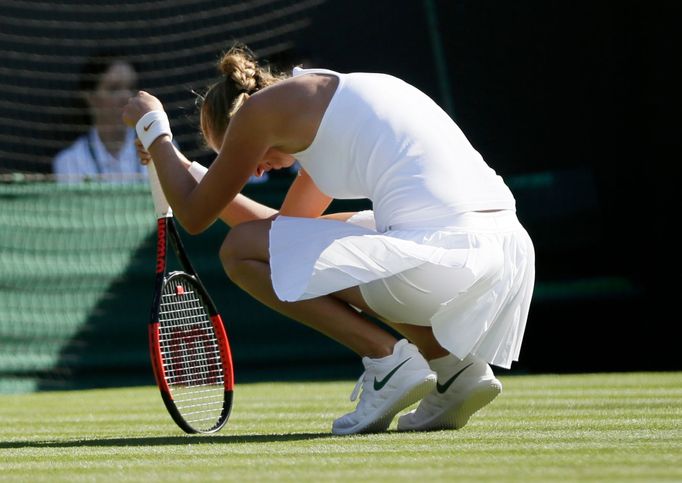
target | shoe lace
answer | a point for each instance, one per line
(358, 385)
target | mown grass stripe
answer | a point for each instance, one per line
(610, 427)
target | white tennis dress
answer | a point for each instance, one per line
(427, 254)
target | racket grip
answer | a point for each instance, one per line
(161, 205)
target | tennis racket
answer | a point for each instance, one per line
(190, 352)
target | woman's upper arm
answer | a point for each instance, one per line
(304, 198)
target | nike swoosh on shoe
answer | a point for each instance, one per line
(378, 385)
(441, 388)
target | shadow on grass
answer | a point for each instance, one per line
(166, 441)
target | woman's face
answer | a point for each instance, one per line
(274, 159)
(115, 87)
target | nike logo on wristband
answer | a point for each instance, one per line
(441, 388)
(380, 384)
(146, 128)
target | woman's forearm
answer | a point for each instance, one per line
(241, 209)
(178, 184)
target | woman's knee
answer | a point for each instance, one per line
(247, 241)
(229, 253)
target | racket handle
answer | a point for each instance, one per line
(161, 205)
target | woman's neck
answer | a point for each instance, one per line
(113, 137)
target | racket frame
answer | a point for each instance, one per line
(167, 231)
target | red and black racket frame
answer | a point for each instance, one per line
(167, 229)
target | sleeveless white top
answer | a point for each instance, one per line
(383, 139)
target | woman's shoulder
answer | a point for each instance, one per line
(294, 89)
(71, 158)
(294, 97)
(288, 112)
(75, 147)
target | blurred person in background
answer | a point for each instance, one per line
(107, 151)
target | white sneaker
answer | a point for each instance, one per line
(464, 387)
(389, 385)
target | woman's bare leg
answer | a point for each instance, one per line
(419, 335)
(245, 257)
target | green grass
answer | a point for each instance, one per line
(601, 427)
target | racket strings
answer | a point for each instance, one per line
(190, 353)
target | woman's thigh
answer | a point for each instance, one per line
(415, 295)
(247, 241)
(251, 240)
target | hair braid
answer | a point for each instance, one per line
(242, 76)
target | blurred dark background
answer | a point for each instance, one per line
(574, 103)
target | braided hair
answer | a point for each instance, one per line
(241, 76)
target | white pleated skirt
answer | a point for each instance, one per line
(471, 281)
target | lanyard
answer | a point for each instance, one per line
(93, 153)
(99, 164)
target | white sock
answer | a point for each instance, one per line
(444, 365)
(388, 357)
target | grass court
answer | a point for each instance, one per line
(594, 427)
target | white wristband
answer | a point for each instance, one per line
(151, 126)
(197, 171)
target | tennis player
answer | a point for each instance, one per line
(442, 258)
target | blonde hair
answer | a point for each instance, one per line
(242, 75)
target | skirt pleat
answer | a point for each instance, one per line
(314, 257)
